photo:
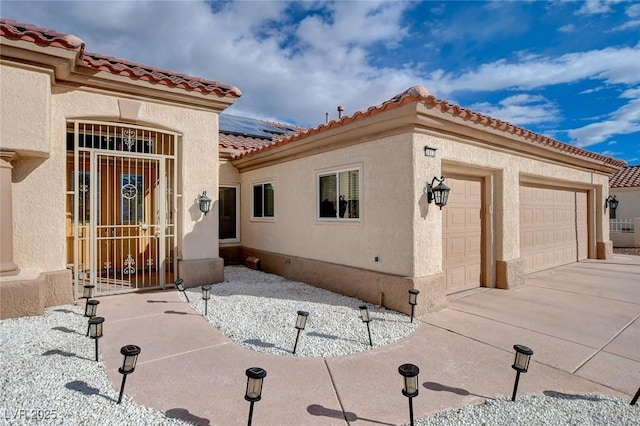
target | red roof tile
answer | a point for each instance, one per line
(628, 177)
(242, 143)
(49, 38)
(420, 94)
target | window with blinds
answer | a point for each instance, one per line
(339, 195)
(263, 200)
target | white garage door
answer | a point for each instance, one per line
(462, 235)
(553, 227)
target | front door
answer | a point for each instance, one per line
(122, 209)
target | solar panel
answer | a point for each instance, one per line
(246, 126)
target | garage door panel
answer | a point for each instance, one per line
(462, 234)
(553, 227)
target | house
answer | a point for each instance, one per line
(625, 218)
(103, 164)
(107, 162)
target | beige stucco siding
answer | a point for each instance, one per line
(629, 202)
(387, 197)
(40, 185)
(25, 97)
(509, 171)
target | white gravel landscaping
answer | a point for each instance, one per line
(50, 376)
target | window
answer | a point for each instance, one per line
(339, 195)
(228, 209)
(131, 198)
(263, 200)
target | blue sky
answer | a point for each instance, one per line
(568, 70)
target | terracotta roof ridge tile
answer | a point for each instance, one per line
(421, 94)
(14, 30)
(627, 177)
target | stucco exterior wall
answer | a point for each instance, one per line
(25, 97)
(629, 202)
(385, 229)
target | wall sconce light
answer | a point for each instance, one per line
(130, 353)
(206, 295)
(413, 299)
(95, 330)
(364, 315)
(611, 202)
(439, 193)
(301, 322)
(255, 376)
(429, 152)
(205, 203)
(520, 364)
(410, 374)
(179, 283)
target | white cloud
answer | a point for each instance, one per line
(625, 120)
(633, 11)
(594, 7)
(569, 28)
(521, 110)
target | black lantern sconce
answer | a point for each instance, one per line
(611, 202)
(301, 322)
(520, 364)
(90, 310)
(413, 300)
(95, 330)
(439, 193)
(206, 295)
(255, 376)
(205, 203)
(130, 353)
(179, 283)
(364, 315)
(410, 374)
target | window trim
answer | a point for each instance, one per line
(336, 172)
(263, 217)
(237, 238)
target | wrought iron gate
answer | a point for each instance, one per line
(121, 206)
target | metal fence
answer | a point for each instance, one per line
(621, 225)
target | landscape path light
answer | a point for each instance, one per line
(130, 353)
(87, 293)
(364, 314)
(95, 330)
(301, 322)
(413, 299)
(410, 374)
(520, 364)
(179, 283)
(90, 310)
(206, 295)
(255, 376)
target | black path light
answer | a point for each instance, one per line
(206, 295)
(130, 353)
(413, 299)
(520, 364)
(179, 283)
(410, 374)
(90, 310)
(364, 314)
(255, 376)
(635, 398)
(87, 293)
(301, 322)
(95, 330)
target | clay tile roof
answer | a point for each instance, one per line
(248, 134)
(422, 95)
(627, 177)
(48, 38)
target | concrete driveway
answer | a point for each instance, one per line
(581, 321)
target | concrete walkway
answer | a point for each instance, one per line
(581, 320)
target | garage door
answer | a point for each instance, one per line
(462, 235)
(553, 227)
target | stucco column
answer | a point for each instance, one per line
(509, 264)
(7, 267)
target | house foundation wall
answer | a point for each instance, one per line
(390, 291)
(509, 273)
(201, 272)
